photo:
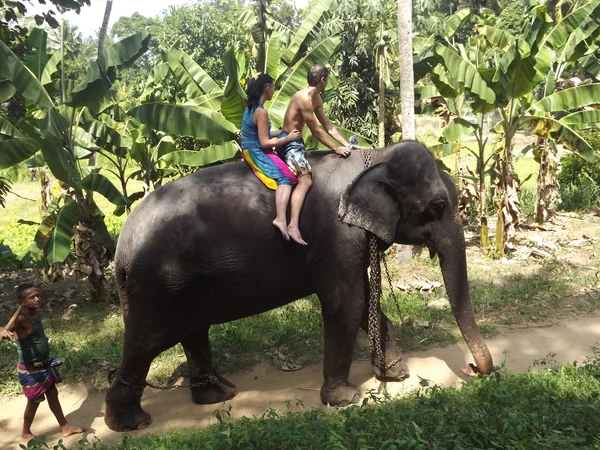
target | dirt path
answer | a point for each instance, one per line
(265, 387)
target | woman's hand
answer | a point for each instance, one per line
(294, 134)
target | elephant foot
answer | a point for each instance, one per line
(215, 391)
(396, 370)
(127, 420)
(340, 395)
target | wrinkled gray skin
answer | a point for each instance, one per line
(202, 250)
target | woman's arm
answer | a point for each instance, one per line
(262, 123)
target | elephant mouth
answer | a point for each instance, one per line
(430, 245)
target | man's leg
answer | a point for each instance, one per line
(28, 417)
(282, 197)
(53, 402)
(298, 196)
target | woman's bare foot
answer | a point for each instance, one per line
(26, 437)
(68, 430)
(282, 227)
(294, 233)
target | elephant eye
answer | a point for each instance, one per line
(435, 210)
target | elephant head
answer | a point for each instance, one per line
(404, 198)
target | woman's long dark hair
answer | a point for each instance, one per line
(256, 87)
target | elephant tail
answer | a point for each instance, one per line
(121, 278)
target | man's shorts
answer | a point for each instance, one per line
(294, 155)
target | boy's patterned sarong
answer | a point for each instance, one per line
(36, 379)
(269, 168)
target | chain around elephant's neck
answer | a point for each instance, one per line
(375, 290)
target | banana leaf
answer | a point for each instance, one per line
(465, 72)
(210, 101)
(297, 78)
(444, 149)
(14, 151)
(458, 129)
(553, 129)
(234, 100)
(22, 79)
(204, 157)
(569, 99)
(8, 129)
(94, 89)
(190, 76)
(180, 120)
(582, 119)
(59, 244)
(43, 232)
(50, 69)
(99, 183)
(570, 23)
(109, 139)
(500, 39)
(590, 63)
(273, 55)
(455, 21)
(302, 37)
(37, 60)
(7, 90)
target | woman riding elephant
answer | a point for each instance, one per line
(205, 244)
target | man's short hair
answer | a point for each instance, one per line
(315, 73)
(22, 288)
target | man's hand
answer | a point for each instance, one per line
(342, 151)
(5, 334)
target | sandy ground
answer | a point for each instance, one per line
(266, 387)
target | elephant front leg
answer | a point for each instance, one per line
(342, 307)
(209, 386)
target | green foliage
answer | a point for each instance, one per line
(579, 180)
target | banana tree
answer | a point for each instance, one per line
(521, 67)
(56, 131)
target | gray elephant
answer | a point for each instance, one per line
(205, 245)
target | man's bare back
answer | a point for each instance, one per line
(301, 104)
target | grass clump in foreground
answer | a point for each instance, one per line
(556, 407)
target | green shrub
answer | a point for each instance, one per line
(527, 201)
(579, 197)
(16, 174)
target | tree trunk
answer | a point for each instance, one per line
(101, 39)
(381, 117)
(546, 196)
(508, 201)
(407, 83)
(104, 27)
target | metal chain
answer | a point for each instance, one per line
(207, 379)
(375, 289)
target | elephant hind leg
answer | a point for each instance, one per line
(213, 387)
(123, 408)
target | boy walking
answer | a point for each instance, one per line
(37, 372)
(306, 108)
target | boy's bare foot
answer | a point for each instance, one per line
(294, 233)
(26, 437)
(282, 227)
(68, 430)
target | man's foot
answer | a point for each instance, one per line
(282, 227)
(294, 233)
(26, 437)
(68, 430)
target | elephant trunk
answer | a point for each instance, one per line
(449, 242)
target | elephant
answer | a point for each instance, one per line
(201, 250)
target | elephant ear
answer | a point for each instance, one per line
(367, 204)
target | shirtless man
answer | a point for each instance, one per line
(306, 108)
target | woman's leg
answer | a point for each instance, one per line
(282, 197)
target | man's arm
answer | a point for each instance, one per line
(328, 126)
(308, 114)
(23, 327)
(5, 333)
